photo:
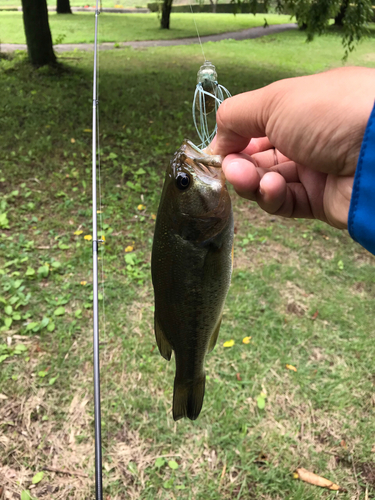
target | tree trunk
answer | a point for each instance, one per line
(165, 14)
(38, 34)
(341, 14)
(213, 6)
(63, 7)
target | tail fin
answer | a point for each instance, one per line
(188, 398)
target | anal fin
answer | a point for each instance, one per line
(164, 346)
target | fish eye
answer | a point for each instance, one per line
(183, 181)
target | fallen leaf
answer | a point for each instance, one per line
(72, 140)
(261, 402)
(88, 237)
(238, 376)
(129, 248)
(83, 283)
(141, 207)
(2, 396)
(153, 216)
(229, 343)
(315, 315)
(38, 477)
(291, 367)
(78, 232)
(311, 478)
(246, 340)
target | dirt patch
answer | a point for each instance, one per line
(368, 473)
(296, 299)
(370, 57)
(31, 436)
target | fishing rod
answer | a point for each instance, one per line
(95, 241)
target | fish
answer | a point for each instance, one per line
(191, 267)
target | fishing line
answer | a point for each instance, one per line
(196, 27)
(96, 360)
(208, 96)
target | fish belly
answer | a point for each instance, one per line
(191, 281)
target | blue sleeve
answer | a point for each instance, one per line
(361, 220)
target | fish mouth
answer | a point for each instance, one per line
(194, 157)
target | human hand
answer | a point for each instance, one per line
(316, 123)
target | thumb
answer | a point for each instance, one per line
(239, 119)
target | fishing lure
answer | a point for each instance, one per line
(208, 96)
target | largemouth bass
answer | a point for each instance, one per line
(191, 269)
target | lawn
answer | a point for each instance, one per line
(303, 291)
(81, 3)
(78, 28)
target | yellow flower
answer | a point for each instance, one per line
(229, 343)
(141, 207)
(83, 283)
(129, 248)
(72, 140)
(291, 367)
(102, 237)
(99, 212)
(88, 237)
(153, 216)
(78, 232)
(246, 340)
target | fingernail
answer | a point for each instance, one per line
(213, 143)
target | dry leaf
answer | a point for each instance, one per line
(315, 315)
(291, 367)
(238, 376)
(311, 478)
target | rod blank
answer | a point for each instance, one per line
(97, 412)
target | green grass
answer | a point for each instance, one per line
(79, 28)
(303, 291)
(82, 3)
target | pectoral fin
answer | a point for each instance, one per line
(164, 346)
(214, 337)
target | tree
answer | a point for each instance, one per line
(314, 16)
(165, 14)
(38, 34)
(213, 5)
(339, 18)
(63, 7)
